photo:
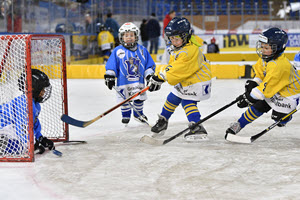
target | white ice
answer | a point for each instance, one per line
(115, 165)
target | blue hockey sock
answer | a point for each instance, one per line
(170, 105)
(249, 116)
(191, 110)
(126, 110)
(138, 105)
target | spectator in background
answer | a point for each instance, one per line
(213, 47)
(14, 23)
(144, 34)
(88, 23)
(153, 30)
(168, 18)
(113, 24)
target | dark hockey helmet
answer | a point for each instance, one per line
(40, 81)
(100, 27)
(179, 26)
(276, 38)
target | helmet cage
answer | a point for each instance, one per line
(260, 52)
(46, 95)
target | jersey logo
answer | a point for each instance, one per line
(121, 53)
(205, 89)
(133, 69)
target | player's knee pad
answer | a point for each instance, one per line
(277, 116)
(262, 106)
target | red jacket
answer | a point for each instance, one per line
(166, 22)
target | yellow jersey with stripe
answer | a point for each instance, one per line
(106, 40)
(187, 66)
(276, 76)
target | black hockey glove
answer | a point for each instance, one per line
(38, 147)
(245, 100)
(250, 85)
(46, 143)
(148, 77)
(155, 83)
(110, 81)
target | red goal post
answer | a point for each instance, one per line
(18, 55)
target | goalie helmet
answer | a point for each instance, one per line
(276, 38)
(129, 26)
(40, 82)
(179, 26)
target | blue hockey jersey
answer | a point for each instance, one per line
(130, 69)
(14, 114)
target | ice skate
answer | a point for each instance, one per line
(160, 127)
(234, 128)
(143, 119)
(196, 134)
(125, 120)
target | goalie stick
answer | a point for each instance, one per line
(139, 114)
(69, 120)
(150, 140)
(247, 140)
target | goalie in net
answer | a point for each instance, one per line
(13, 124)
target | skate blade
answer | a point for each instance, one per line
(196, 138)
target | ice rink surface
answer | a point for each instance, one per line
(115, 165)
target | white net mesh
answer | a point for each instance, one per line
(46, 55)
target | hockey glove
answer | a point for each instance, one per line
(246, 100)
(250, 85)
(110, 81)
(46, 143)
(38, 147)
(155, 83)
(147, 78)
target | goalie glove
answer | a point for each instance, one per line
(38, 148)
(155, 83)
(46, 143)
(110, 81)
(245, 100)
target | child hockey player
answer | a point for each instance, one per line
(297, 61)
(130, 63)
(13, 116)
(276, 84)
(190, 74)
(105, 40)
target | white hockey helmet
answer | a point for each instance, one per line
(126, 27)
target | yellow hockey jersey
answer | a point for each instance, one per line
(186, 66)
(105, 40)
(275, 76)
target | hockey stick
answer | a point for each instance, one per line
(69, 120)
(247, 140)
(56, 152)
(139, 114)
(150, 140)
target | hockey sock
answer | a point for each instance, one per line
(138, 105)
(126, 110)
(170, 105)
(191, 110)
(249, 116)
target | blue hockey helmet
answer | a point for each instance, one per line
(276, 38)
(179, 26)
(297, 60)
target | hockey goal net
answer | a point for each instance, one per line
(18, 54)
